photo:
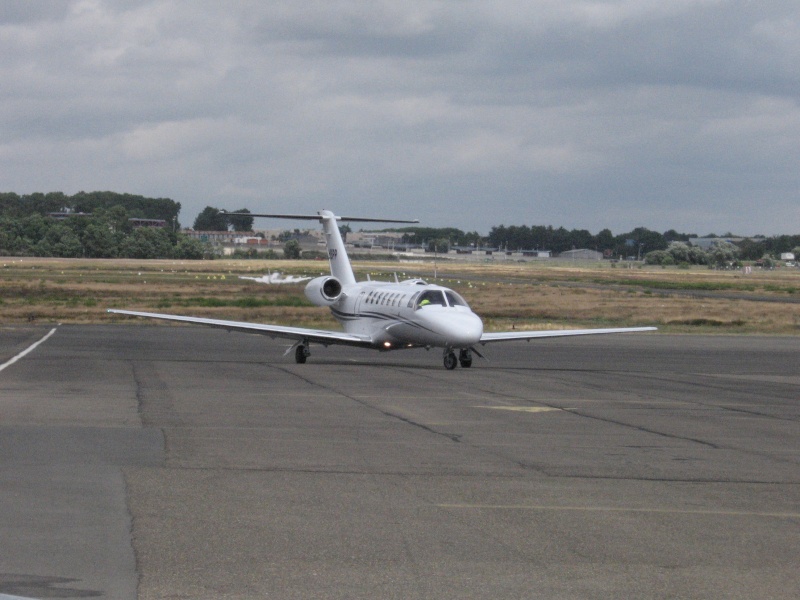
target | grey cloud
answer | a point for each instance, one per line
(614, 114)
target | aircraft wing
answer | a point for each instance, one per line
(319, 336)
(506, 336)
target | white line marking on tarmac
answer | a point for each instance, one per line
(27, 351)
(529, 409)
(679, 511)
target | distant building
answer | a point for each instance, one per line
(582, 254)
(60, 216)
(473, 250)
(147, 222)
(215, 237)
(372, 239)
(536, 253)
(706, 243)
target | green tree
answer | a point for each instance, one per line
(34, 228)
(190, 248)
(751, 249)
(117, 218)
(146, 242)
(440, 245)
(241, 223)
(679, 252)
(211, 219)
(723, 254)
(658, 257)
(291, 249)
(473, 238)
(136, 206)
(98, 240)
(60, 241)
(604, 240)
(697, 256)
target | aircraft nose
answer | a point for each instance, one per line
(462, 329)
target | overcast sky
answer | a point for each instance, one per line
(658, 113)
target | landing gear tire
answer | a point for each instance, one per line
(450, 361)
(465, 358)
(301, 353)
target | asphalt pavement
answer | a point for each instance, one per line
(142, 461)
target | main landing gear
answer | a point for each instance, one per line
(464, 357)
(301, 353)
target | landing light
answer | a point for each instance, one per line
(387, 344)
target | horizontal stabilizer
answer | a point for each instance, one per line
(318, 217)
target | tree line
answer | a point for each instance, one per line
(215, 219)
(637, 242)
(98, 226)
(138, 207)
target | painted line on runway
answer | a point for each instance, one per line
(542, 507)
(528, 409)
(27, 350)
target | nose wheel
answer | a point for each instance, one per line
(464, 357)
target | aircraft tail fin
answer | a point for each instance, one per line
(337, 255)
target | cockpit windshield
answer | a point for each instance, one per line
(454, 299)
(440, 298)
(430, 297)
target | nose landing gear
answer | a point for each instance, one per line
(464, 357)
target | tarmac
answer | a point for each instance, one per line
(141, 461)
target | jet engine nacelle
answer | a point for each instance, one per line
(324, 291)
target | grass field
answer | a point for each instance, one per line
(536, 295)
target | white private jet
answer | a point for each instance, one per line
(382, 315)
